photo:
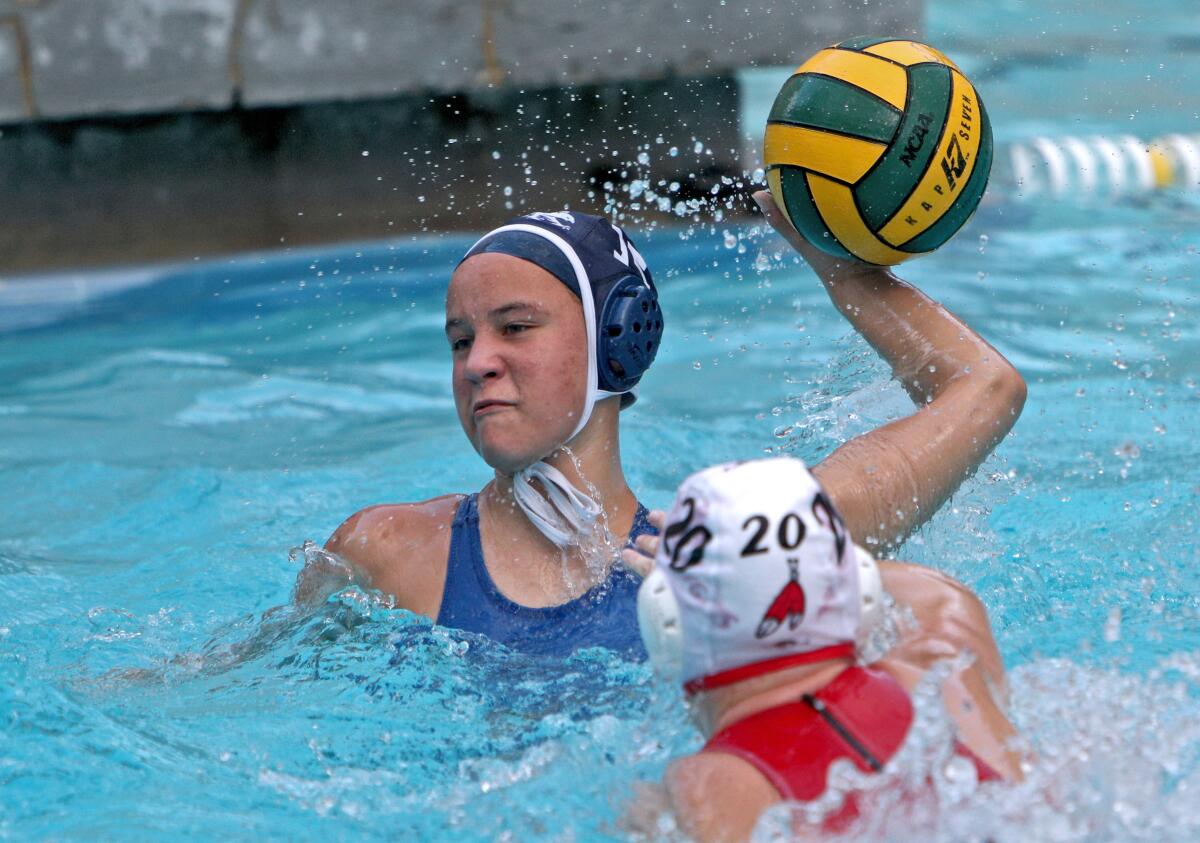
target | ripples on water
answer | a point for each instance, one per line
(151, 683)
(364, 721)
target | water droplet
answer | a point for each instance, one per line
(1112, 625)
(1128, 450)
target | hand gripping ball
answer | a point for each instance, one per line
(878, 149)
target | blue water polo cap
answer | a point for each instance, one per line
(596, 260)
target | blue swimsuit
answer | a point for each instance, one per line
(606, 616)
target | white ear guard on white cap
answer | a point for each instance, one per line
(754, 572)
(658, 619)
(870, 595)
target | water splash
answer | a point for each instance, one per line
(1102, 769)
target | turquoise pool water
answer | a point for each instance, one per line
(163, 445)
(163, 448)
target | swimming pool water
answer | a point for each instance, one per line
(163, 446)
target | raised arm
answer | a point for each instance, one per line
(888, 482)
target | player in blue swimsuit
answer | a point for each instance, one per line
(551, 321)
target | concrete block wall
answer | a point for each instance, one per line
(73, 58)
(68, 59)
(306, 50)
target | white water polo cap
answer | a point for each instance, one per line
(596, 260)
(755, 572)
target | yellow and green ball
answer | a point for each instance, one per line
(878, 149)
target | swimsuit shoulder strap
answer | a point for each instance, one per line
(641, 525)
(463, 563)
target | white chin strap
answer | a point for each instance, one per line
(564, 515)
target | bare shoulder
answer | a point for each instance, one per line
(401, 548)
(718, 797)
(950, 619)
(390, 524)
(928, 591)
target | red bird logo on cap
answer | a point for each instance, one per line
(787, 606)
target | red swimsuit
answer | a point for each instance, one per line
(862, 715)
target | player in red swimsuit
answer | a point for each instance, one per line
(760, 603)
